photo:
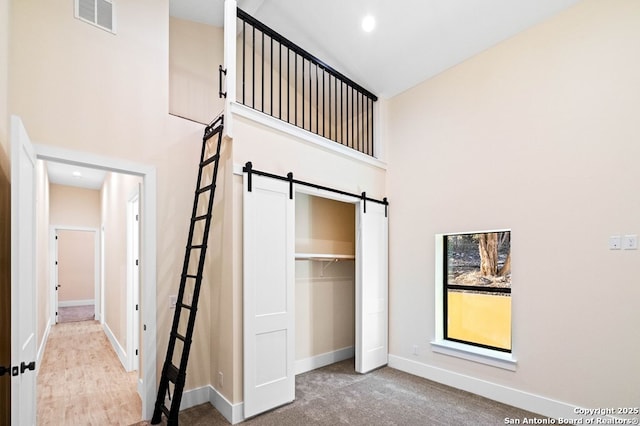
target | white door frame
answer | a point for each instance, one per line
(53, 249)
(133, 281)
(147, 385)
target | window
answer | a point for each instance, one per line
(96, 12)
(476, 289)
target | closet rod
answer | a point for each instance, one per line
(248, 168)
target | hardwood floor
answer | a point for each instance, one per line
(81, 380)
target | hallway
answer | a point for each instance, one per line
(81, 380)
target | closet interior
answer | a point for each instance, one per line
(324, 281)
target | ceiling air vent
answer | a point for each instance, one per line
(96, 12)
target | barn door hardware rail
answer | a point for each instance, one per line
(248, 168)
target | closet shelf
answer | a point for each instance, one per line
(328, 257)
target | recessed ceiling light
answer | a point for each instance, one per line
(76, 174)
(368, 23)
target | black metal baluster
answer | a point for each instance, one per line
(288, 85)
(253, 69)
(244, 60)
(303, 93)
(280, 80)
(317, 102)
(295, 99)
(271, 76)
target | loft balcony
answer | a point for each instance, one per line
(281, 79)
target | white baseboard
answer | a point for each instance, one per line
(234, 413)
(122, 355)
(327, 358)
(43, 345)
(514, 397)
(68, 303)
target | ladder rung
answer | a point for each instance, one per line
(179, 336)
(205, 189)
(204, 216)
(209, 160)
(182, 305)
(195, 277)
(165, 410)
(172, 373)
(196, 246)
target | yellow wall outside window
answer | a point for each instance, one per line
(480, 318)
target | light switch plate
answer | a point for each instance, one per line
(630, 242)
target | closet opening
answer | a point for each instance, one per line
(325, 279)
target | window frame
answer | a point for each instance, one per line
(480, 353)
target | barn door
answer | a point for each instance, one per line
(23, 291)
(269, 317)
(372, 296)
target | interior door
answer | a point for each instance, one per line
(269, 301)
(372, 294)
(76, 267)
(23, 295)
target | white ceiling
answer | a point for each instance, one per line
(414, 40)
(62, 174)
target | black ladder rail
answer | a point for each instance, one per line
(170, 372)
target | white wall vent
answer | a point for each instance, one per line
(96, 12)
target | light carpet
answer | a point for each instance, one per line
(76, 313)
(336, 395)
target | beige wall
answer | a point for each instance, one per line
(117, 190)
(324, 225)
(325, 304)
(77, 207)
(4, 76)
(540, 135)
(76, 265)
(195, 52)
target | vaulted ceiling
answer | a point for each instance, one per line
(413, 40)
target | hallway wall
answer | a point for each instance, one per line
(74, 207)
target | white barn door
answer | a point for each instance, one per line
(269, 302)
(23, 291)
(372, 295)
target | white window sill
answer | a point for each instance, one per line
(498, 359)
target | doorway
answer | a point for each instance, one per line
(269, 285)
(147, 255)
(76, 285)
(325, 281)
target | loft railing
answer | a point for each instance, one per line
(279, 78)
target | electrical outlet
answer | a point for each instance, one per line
(615, 242)
(416, 349)
(220, 378)
(172, 301)
(630, 242)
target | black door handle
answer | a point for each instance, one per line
(24, 367)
